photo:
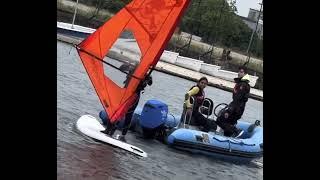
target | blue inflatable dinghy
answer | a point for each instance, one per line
(155, 115)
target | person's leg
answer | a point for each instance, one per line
(110, 128)
(200, 120)
(128, 117)
(197, 119)
(205, 122)
(229, 129)
(221, 120)
(224, 122)
(234, 119)
(211, 124)
(127, 122)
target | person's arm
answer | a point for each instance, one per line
(192, 92)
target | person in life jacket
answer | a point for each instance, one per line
(192, 108)
(228, 117)
(111, 128)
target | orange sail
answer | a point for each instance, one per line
(152, 23)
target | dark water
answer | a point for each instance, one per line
(79, 157)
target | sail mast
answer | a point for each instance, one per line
(74, 14)
(152, 23)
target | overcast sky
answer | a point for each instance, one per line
(243, 6)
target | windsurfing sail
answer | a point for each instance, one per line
(152, 23)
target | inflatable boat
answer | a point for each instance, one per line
(155, 114)
(248, 145)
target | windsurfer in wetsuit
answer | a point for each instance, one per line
(229, 116)
(198, 94)
(129, 114)
(111, 128)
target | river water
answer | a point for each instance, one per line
(79, 157)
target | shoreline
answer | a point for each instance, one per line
(172, 69)
(255, 64)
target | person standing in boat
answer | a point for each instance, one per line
(228, 117)
(192, 108)
(111, 128)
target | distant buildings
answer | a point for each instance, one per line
(251, 21)
(254, 14)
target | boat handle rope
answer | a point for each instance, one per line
(233, 142)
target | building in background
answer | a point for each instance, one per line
(251, 21)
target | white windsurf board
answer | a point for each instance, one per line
(91, 127)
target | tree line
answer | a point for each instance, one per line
(215, 21)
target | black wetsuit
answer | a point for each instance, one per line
(129, 114)
(236, 108)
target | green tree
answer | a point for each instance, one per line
(216, 22)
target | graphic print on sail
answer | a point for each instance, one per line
(152, 23)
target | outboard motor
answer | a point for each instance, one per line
(153, 117)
